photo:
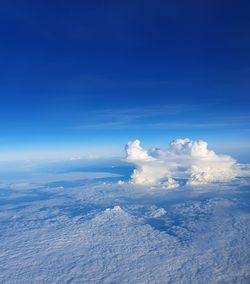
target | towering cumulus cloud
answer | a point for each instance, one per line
(184, 160)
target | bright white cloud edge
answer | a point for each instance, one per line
(188, 160)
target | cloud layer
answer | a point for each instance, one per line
(185, 160)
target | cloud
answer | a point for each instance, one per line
(185, 161)
(136, 153)
(168, 116)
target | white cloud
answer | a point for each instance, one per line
(96, 233)
(135, 152)
(184, 159)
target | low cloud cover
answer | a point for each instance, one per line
(185, 160)
(69, 222)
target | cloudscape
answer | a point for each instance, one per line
(124, 142)
(184, 159)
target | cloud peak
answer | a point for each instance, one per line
(184, 159)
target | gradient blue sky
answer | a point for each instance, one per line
(84, 77)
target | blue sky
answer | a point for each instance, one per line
(87, 76)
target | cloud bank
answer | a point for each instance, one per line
(185, 160)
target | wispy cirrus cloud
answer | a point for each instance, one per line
(123, 125)
(173, 116)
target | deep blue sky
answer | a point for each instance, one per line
(89, 75)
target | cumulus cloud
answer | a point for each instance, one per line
(184, 160)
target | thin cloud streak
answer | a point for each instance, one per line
(177, 116)
(168, 125)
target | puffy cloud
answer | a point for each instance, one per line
(135, 152)
(185, 160)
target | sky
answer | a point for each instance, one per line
(82, 78)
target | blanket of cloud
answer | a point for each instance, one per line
(184, 160)
(84, 227)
